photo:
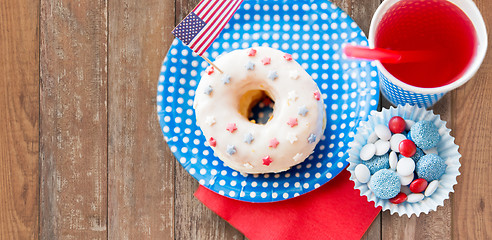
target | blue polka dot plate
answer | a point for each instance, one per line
(314, 33)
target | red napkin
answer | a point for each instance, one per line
(333, 211)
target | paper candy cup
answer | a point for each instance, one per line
(446, 149)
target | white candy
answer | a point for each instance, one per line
(431, 188)
(367, 152)
(405, 180)
(415, 197)
(393, 160)
(382, 147)
(405, 166)
(372, 138)
(362, 173)
(431, 150)
(395, 141)
(383, 132)
(409, 124)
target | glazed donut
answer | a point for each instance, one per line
(224, 100)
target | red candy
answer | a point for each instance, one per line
(397, 124)
(317, 95)
(267, 160)
(212, 142)
(288, 57)
(401, 197)
(209, 70)
(418, 185)
(407, 148)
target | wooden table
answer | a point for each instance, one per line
(81, 151)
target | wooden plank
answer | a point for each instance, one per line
(192, 219)
(73, 119)
(472, 208)
(361, 13)
(19, 104)
(141, 166)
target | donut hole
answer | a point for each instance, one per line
(257, 106)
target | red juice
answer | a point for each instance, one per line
(437, 26)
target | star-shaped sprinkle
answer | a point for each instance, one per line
(312, 138)
(250, 66)
(272, 75)
(231, 127)
(292, 95)
(210, 120)
(251, 52)
(248, 138)
(292, 137)
(226, 79)
(317, 95)
(297, 157)
(302, 110)
(248, 165)
(266, 60)
(292, 122)
(267, 160)
(212, 142)
(273, 143)
(294, 74)
(231, 149)
(288, 57)
(209, 70)
(208, 90)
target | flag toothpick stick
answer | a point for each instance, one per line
(211, 63)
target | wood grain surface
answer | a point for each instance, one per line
(81, 151)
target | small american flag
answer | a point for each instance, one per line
(202, 26)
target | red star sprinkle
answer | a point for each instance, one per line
(212, 142)
(288, 57)
(317, 95)
(231, 127)
(267, 160)
(251, 52)
(266, 61)
(292, 122)
(273, 143)
(209, 70)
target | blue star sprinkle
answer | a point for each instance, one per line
(250, 66)
(226, 79)
(302, 110)
(248, 138)
(208, 90)
(231, 149)
(312, 138)
(272, 75)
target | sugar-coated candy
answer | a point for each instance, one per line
(395, 141)
(405, 166)
(377, 163)
(431, 188)
(383, 132)
(362, 173)
(385, 184)
(418, 185)
(401, 197)
(430, 167)
(425, 134)
(393, 160)
(396, 124)
(382, 147)
(407, 148)
(405, 180)
(372, 138)
(415, 197)
(367, 151)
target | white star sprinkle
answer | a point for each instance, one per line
(297, 157)
(294, 74)
(292, 95)
(248, 165)
(210, 120)
(292, 137)
(302, 110)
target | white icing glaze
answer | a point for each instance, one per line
(292, 89)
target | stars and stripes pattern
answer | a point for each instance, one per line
(202, 26)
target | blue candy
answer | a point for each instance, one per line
(377, 163)
(416, 157)
(425, 135)
(430, 167)
(385, 184)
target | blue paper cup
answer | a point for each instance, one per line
(401, 93)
